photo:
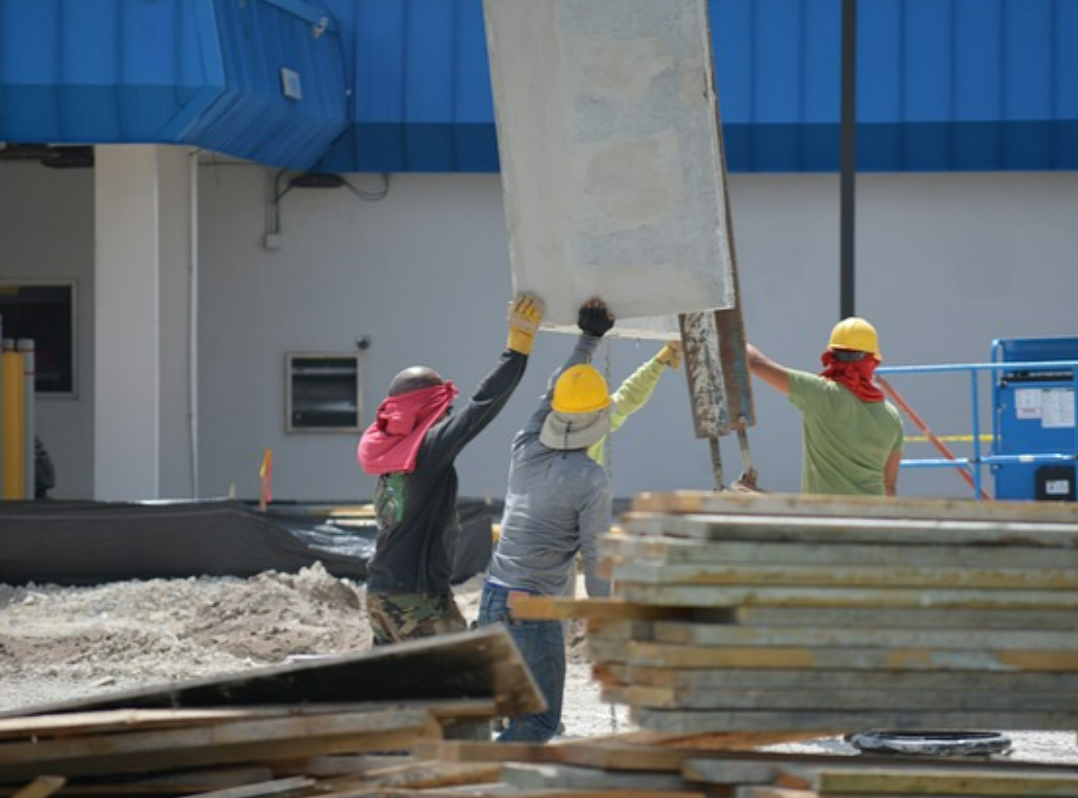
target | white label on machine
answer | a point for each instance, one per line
(1057, 408)
(1027, 404)
(1057, 487)
(611, 155)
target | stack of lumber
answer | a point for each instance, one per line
(206, 761)
(735, 612)
(375, 723)
(271, 731)
(636, 765)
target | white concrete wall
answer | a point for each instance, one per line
(47, 232)
(946, 263)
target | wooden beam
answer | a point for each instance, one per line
(854, 506)
(894, 598)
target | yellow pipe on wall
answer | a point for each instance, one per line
(12, 426)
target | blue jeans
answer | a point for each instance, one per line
(542, 646)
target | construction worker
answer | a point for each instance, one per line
(557, 503)
(412, 446)
(635, 391)
(851, 436)
(44, 472)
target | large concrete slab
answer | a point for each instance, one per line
(611, 157)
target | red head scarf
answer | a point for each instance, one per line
(856, 376)
(392, 442)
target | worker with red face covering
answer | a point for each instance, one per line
(852, 437)
(411, 447)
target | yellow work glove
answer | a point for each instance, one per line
(670, 355)
(525, 314)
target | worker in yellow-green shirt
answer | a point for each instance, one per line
(635, 392)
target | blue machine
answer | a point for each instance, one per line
(1034, 437)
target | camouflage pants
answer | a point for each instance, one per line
(396, 617)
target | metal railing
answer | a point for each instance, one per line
(974, 464)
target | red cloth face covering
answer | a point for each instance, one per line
(857, 377)
(392, 442)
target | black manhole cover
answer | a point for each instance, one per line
(930, 743)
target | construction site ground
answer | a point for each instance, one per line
(64, 643)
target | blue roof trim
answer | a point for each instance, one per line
(101, 71)
(199, 72)
(252, 117)
(964, 85)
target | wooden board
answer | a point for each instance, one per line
(836, 697)
(549, 608)
(883, 575)
(923, 781)
(479, 664)
(840, 529)
(973, 639)
(661, 549)
(835, 723)
(547, 775)
(141, 751)
(727, 503)
(908, 618)
(896, 599)
(805, 657)
(848, 679)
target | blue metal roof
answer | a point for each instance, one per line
(942, 84)
(199, 72)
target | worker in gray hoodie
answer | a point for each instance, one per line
(558, 503)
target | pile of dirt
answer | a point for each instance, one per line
(142, 632)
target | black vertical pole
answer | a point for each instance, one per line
(848, 158)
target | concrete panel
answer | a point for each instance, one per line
(611, 157)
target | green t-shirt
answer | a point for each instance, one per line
(846, 442)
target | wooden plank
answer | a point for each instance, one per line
(141, 751)
(834, 723)
(550, 608)
(191, 782)
(864, 597)
(479, 664)
(115, 720)
(854, 506)
(764, 791)
(914, 781)
(279, 788)
(837, 696)
(532, 775)
(682, 633)
(730, 771)
(75, 724)
(658, 548)
(803, 657)
(419, 775)
(809, 680)
(651, 754)
(842, 530)
(41, 787)
(936, 576)
(908, 618)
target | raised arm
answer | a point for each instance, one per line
(766, 369)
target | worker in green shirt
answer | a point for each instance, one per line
(852, 436)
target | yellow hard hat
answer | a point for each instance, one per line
(857, 335)
(580, 389)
